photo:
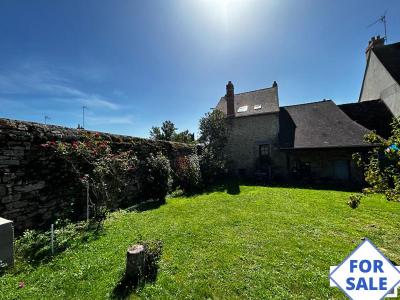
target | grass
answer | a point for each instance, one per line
(263, 243)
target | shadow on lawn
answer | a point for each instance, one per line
(232, 185)
(147, 205)
(317, 186)
(126, 286)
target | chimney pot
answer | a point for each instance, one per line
(375, 42)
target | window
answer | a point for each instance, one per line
(257, 106)
(264, 150)
(242, 108)
(303, 167)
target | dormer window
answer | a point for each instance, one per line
(257, 106)
(242, 109)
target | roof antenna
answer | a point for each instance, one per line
(381, 19)
(83, 116)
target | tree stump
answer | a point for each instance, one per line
(135, 264)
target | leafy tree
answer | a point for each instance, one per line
(167, 132)
(213, 132)
(184, 137)
(156, 134)
(382, 164)
(214, 136)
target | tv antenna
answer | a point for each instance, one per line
(46, 118)
(382, 19)
(83, 116)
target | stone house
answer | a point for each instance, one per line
(253, 122)
(382, 74)
(310, 141)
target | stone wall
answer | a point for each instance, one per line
(330, 165)
(37, 187)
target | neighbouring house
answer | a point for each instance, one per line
(310, 141)
(373, 115)
(382, 74)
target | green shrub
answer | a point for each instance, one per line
(35, 246)
(382, 164)
(154, 174)
(187, 173)
(153, 251)
(94, 161)
(212, 168)
(3, 267)
(214, 137)
(354, 201)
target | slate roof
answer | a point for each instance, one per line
(267, 98)
(389, 55)
(319, 125)
(373, 115)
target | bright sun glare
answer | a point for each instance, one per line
(218, 13)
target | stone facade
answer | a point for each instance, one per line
(313, 141)
(36, 187)
(246, 135)
(324, 165)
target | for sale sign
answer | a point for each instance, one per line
(366, 274)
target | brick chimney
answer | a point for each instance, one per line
(374, 43)
(230, 100)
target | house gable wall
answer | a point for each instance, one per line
(379, 84)
(245, 136)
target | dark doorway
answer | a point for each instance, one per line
(341, 169)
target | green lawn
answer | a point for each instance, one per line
(262, 243)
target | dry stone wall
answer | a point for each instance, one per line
(37, 187)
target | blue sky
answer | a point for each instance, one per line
(135, 64)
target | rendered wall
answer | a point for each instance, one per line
(379, 84)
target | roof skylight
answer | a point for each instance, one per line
(242, 108)
(257, 106)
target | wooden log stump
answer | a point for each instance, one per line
(135, 257)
